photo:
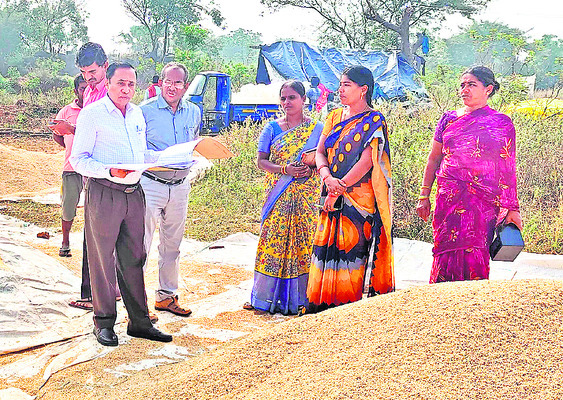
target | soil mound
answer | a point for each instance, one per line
(28, 172)
(466, 340)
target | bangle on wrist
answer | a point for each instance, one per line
(284, 170)
(325, 178)
(321, 167)
(425, 187)
(332, 195)
(423, 197)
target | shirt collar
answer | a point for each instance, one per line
(161, 103)
(75, 105)
(111, 107)
(100, 85)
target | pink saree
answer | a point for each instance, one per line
(476, 183)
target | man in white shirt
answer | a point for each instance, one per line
(111, 131)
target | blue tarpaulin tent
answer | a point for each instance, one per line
(298, 60)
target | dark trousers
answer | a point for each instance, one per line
(85, 289)
(115, 223)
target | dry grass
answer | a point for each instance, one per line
(43, 215)
(230, 197)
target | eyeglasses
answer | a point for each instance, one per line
(177, 85)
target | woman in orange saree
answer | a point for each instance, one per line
(352, 251)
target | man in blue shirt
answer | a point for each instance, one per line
(314, 91)
(170, 120)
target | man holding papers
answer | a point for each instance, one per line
(108, 132)
(170, 120)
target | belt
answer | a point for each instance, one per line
(127, 189)
(170, 182)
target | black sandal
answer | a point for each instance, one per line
(64, 252)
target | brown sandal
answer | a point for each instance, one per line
(171, 304)
(248, 306)
(83, 304)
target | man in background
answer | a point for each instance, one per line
(154, 89)
(63, 133)
(314, 92)
(93, 63)
(170, 120)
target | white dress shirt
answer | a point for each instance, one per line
(105, 137)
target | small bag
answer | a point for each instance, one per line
(308, 158)
(337, 203)
(507, 244)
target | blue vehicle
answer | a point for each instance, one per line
(211, 92)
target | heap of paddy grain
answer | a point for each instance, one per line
(25, 172)
(465, 340)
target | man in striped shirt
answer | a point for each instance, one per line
(93, 63)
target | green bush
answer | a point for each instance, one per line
(230, 197)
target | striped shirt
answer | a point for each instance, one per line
(105, 137)
(92, 95)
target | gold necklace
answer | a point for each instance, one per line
(349, 114)
(289, 126)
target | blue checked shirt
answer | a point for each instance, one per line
(165, 128)
(104, 137)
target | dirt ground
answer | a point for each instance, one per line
(468, 340)
(32, 165)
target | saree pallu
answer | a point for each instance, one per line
(289, 217)
(476, 182)
(352, 251)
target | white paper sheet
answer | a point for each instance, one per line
(178, 156)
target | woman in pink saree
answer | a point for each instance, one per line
(473, 160)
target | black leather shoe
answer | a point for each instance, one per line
(106, 336)
(149, 333)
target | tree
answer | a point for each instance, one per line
(498, 46)
(47, 27)
(138, 40)
(240, 46)
(161, 18)
(56, 26)
(547, 61)
(197, 49)
(354, 19)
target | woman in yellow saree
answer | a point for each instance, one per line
(352, 251)
(289, 215)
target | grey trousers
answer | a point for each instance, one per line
(115, 221)
(167, 206)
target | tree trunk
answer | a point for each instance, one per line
(404, 30)
(406, 46)
(165, 45)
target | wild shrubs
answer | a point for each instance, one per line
(229, 198)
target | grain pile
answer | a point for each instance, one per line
(24, 171)
(468, 340)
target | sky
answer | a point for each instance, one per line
(108, 18)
